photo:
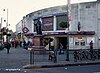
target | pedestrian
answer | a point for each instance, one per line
(28, 44)
(12, 43)
(15, 43)
(79, 26)
(20, 43)
(61, 49)
(24, 44)
(91, 49)
(7, 46)
(91, 45)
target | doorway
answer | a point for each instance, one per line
(63, 41)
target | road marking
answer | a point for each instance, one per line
(66, 68)
(96, 72)
(12, 69)
(25, 71)
(78, 65)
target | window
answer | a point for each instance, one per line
(82, 43)
(77, 43)
(87, 6)
(59, 20)
(47, 24)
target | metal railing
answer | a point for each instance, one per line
(54, 56)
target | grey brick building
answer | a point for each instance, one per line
(88, 14)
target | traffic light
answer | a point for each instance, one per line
(19, 34)
(8, 34)
(48, 40)
(4, 33)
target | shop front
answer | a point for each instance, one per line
(81, 40)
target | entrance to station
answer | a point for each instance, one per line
(63, 41)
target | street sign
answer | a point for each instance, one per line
(48, 24)
(25, 30)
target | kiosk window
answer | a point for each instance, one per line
(76, 43)
(82, 43)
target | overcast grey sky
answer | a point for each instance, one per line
(19, 8)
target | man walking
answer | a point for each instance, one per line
(7, 46)
(91, 49)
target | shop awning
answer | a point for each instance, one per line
(70, 33)
(63, 33)
(81, 32)
(29, 34)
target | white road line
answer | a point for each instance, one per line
(96, 72)
(12, 69)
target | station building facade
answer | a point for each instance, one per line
(87, 14)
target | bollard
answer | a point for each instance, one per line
(31, 57)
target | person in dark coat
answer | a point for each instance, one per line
(79, 26)
(7, 46)
(20, 43)
(91, 49)
(91, 45)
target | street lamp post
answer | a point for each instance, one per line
(7, 18)
(68, 20)
(6, 23)
(67, 46)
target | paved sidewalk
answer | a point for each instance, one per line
(19, 58)
(60, 64)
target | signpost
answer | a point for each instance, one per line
(48, 24)
(25, 30)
